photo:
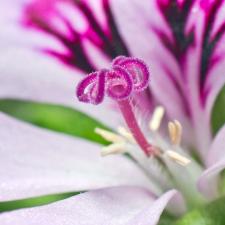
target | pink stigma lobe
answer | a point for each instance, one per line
(126, 75)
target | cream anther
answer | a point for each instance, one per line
(109, 136)
(175, 132)
(182, 160)
(126, 134)
(156, 119)
(116, 148)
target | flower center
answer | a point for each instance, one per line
(125, 77)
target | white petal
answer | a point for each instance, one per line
(114, 206)
(208, 182)
(217, 148)
(175, 82)
(26, 74)
(37, 162)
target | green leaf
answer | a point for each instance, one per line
(222, 183)
(211, 214)
(166, 219)
(54, 117)
(218, 112)
(32, 202)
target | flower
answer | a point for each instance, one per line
(181, 41)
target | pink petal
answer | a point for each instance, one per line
(112, 206)
(36, 162)
(202, 98)
(217, 149)
(147, 45)
(200, 118)
(25, 74)
(216, 163)
(81, 34)
(216, 78)
(176, 81)
(208, 181)
(150, 215)
(215, 83)
(13, 35)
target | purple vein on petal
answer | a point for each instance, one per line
(117, 44)
(209, 45)
(111, 42)
(176, 16)
(38, 15)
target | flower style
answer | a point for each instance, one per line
(181, 43)
(127, 75)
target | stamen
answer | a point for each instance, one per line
(157, 117)
(177, 158)
(118, 145)
(116, 148)
(125, 133)
(175, 132)
(109, 136)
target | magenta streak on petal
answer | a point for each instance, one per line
(209, 44)
(128, 114)
(95, 28)
(176, 15)
(38, 14)
(207, 89)
(119, 83)
(75, 55)
(111, 42)
(117, 41)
